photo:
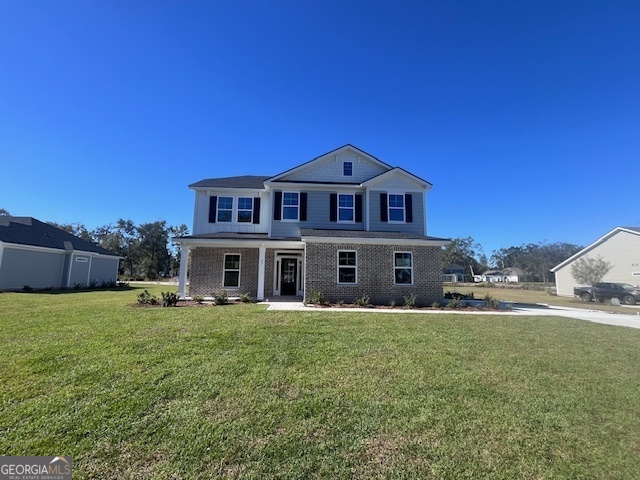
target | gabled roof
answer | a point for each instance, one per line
(632, 230)
(243, 181)
(348, 146)
(396, 171)
(29, 231)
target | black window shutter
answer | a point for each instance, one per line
(256, 210)
(303, 206)
(277, 207)
(384, 214)
(333, 207)
(408, 205)
(213, 206)
(359, 211)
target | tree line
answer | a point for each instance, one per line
(534, 259)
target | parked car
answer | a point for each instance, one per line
(627, 294)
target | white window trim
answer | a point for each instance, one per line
(238, 210)
(218, 209)
(353, 209)
(404, 208)
(343, 165)
(346, 266)
(289, 206)
(410, 268)
(225, 270)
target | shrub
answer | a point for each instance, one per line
(392, 303)
(78, 286)
(197, 298)
(246, 298)
(220, 298)
(410, 300)
(169, 299)
(491, 302)
(146, 298)
(27, 288)
(435, 305)
(93, 283)
(341, 303)
(456, 302)
(363, 301)
(123, 284)
(316, 297)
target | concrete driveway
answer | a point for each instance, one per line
(597, 316)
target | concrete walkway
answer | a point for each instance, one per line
(597, 316)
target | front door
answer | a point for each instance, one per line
(289, 272)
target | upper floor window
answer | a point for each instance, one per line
(347, 267)
(396, 208)
(403, 268)
(346, 207)
(290, 206)
(347, 169)
(245, 209)
(225, 209)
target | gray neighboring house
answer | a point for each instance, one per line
(345, 224)
(620, 247)
(40, 255)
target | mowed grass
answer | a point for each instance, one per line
(537, 296)
(239, 392)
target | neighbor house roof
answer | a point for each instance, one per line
(29, 231)
(243, 181)
(604, 238)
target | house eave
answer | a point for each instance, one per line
(377, 241)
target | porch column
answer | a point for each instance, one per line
(261, 271)
(184, 263)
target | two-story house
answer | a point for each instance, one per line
(345, 224)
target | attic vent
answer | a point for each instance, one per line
(82, 259)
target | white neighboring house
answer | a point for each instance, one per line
(40, 255)
(504, 275)
(620, 247)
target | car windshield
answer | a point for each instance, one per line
(626, 286)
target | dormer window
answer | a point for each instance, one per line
(347, 169)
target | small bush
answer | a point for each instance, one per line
(246, 298)
(197, 298)
(169, 299)
(27, 288)
(491, 302)
(146, 298)
(341, 303)
(435, 305)
(363, 301)
(93, 283)
(316, 297)
(410, 300)
(78, 286)
(220, 298)
(392, 303)
(456, 302)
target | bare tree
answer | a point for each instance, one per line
(589, 271)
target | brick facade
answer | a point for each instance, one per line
(207, 266)
(375, 272)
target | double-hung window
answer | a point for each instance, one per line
(245, 209)
(403, 268)
(225, 209)
(290, 206)
(396, 208)
(231, 271)
(347, 267)
(346, 207)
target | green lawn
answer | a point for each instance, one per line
(238, 392)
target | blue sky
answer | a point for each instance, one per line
(524, 115)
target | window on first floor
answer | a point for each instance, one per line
(225, 209)
(231, 270)
(403, 268)
(347, 267)
(245, 209)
